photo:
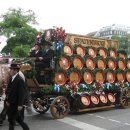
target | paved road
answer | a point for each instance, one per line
(110, 119)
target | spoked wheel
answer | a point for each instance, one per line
(125, 97)
(40, 106)
(60, 107)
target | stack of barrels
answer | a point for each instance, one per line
(88, 65)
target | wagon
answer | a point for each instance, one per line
(86, 76)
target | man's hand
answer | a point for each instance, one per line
(40, 58)
(7, 104)
(20, 108)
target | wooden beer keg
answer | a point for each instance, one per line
(94, 100)
(84, 100)
(127, 74)
(80, 50)
(90, 62)
(103, 99)
(110, 76)
(111, 98)
(128, 63)
(113, 53)
(101, 62)
(68, 49)
(120, 75)
(111, 62)
(121, 63)
(75, 76)
(102, 52)
(64, 62)
(99, 76)
(122, 54)
(60, 77)
(78, 62)
(92, 51)
(88, 76)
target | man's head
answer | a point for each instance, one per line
(14, 68)
(37, 47)
(47, 45)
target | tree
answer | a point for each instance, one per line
(16, 25)
(123, 42)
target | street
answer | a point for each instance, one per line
(108, 119)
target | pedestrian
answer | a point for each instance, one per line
(4, 110)
(15, 98)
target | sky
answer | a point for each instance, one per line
(75, 16)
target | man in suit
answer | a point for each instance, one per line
(44, 62)
(47, 55)
(36, 51)
(4, 110)
(16, 95)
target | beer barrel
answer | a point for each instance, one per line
(78, 62)
(64, 62)
(75, 76)
(111, 98)
(111, 62)
(60, 77)
(122, 54)
(128, 63)
(94, 99)
(103, 99)
(80, 50)
(68, 49)
(120, 75)
(101, 62)
(102, 52)
(90, 62)
(113, 53)
(92, 51)
(88, 76)
(128, 75)
(84, 100)
(110, 76)
(121, 63)
(99, 76)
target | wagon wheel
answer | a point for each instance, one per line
(40, 106)
(125, 97)
(60, 107)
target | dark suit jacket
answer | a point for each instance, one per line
(47, 57)
(16, 91)
(34, 54)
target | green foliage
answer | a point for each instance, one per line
(20, 51)
(123, 42)
(30, 73)
(16, 26)
(51, 90)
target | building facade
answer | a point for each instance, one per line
(113, 30)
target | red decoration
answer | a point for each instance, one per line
(59, 34)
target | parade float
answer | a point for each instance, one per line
(86, 73)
